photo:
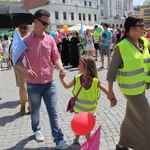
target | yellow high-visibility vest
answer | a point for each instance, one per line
(87, 100)
(96, 36)
(135, 73)
(1, 57)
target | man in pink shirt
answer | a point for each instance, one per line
(41, 53)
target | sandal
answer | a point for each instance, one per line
(101, 67)
(119, 148)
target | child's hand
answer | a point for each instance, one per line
(62, 74)
(113, 102)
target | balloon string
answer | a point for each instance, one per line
(106, 114)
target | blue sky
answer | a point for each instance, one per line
(138, 2)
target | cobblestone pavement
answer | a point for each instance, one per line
(15, 130)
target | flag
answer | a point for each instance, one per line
(93, 141)
(82, 29)
(18, 46)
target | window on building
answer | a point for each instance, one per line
(79, 16)
(147, 23)
(102, 12)
(90, 4)
(85, 4)
(83, 17)
(72, 16)
(56, 15)
(110, 13)
(89, 16)
(63, 1)
(95, 17)
(147, 12)
(110, 2)
(102, 2)
(64, 16)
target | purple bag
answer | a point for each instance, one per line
(71, 104)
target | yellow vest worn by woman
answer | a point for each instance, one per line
(133, 76)
(87, 100)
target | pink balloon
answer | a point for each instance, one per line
(57, 39)
(60, 36)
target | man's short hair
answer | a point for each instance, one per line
(41, 12)
(95, 26)
(105, 24)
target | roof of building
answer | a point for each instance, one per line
(28, 4)
(146, 3)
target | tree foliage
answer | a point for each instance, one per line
(137, 7)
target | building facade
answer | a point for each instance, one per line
(89, 12)
(145, 13)
(10, 3)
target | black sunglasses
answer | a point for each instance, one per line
(21, 28)
(44, 23)
(140, 25)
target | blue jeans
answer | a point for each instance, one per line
(48, 92)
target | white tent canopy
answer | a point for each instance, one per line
(85, 27)
(78, 27)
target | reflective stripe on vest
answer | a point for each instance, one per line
(131, 73)
(132, 77)
(85, 102)
(146, 60)
(84, 109)
(131, 86)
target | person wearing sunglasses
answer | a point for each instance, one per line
(21, 78)
(130, 66)
(41, 54)
(23, 30)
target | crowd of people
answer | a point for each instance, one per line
(36, 79)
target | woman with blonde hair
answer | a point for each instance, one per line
(89, 43)
(6, 44)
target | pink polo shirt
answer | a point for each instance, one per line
(41, 52)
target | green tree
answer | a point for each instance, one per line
(137, 7)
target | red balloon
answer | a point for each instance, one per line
(83, 123)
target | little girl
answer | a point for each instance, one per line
(87, 99)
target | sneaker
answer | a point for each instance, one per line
(62, 145)
(38, 136)
(76, 141)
